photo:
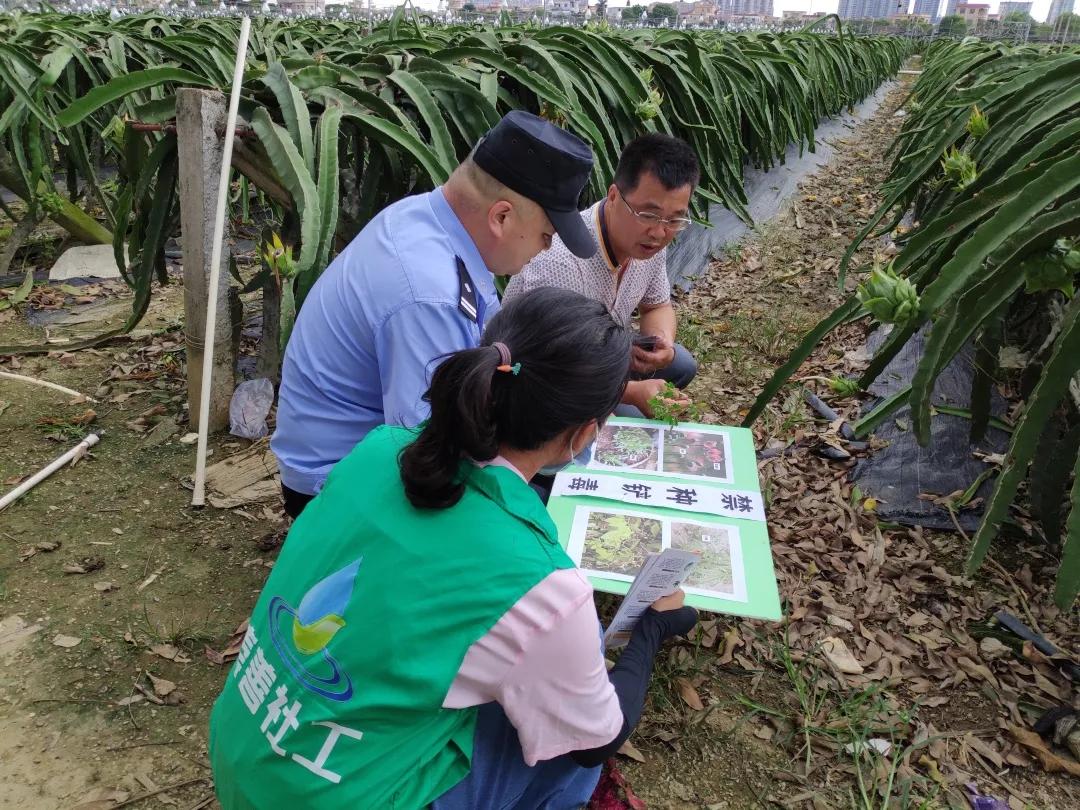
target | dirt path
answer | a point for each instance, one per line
(159, 576)
(879, 643)
(164, 581)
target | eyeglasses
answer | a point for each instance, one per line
(674, 224)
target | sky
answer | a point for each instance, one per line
(1039, 10)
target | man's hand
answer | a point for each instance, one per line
(644, 362)
(639, 392)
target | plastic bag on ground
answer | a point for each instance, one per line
(249, 407)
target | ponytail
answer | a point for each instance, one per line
(552, 360)
(460, 426)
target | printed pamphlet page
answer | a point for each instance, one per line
(660, 575)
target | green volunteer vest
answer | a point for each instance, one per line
(336, 697)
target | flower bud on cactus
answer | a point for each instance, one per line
(1053, 270)
(279, 258)
(844, 386)
(977, 124)
(650, 108)
(888, 297)
(1070, 250)
(646, 110)
(959, 167)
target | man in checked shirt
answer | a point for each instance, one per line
(647, 205)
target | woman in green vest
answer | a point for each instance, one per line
(423, 640)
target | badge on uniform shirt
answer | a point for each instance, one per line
(466, 292)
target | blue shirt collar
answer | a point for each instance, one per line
(463, 243)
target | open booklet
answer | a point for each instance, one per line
(651, 487)
(660, 575)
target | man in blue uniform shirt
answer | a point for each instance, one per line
(416, 284)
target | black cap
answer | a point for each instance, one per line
(546, 164)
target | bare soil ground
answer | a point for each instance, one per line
(878, 642)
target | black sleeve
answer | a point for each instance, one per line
(631, 675)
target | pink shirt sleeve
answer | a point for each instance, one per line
(543, 663)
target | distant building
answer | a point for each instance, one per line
(1059, 7)
(566, 6)
(973, 13)
(928, 8)
(871, 9)
(1012, 6)
(744, 8)
(703, 12)
(950, 8)
(302, 6)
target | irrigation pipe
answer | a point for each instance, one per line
(75, 453)
(7, 375)
(198, 498)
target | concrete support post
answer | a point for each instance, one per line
(200, 116)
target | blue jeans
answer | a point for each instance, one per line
(680, 372)
(500, 779)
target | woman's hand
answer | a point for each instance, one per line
(675, 617)
(673, 601)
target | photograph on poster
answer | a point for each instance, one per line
(613, 544)
(617, 542)
(697, 453)
(627, 447)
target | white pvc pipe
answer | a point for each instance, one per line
(76, 452)
(7, 375)
(198, 498)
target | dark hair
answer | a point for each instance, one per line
(669, 159)
(575, 361)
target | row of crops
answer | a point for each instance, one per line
(344, 123)
(989, 163)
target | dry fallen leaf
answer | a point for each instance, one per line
(836, 621)
(101, 799)
(84, 566)
(170, 652)
(162, 687)
(149, 579)
(149, 695)
(232, 650)
(992, 648)
(1050, 761)
(977, 670)
(105, 587)
(628, 750)
(45, 546)
(689, 694)
(731, 641)
(838, 654)
(984, 750)
(130, 701)
(60, 640)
